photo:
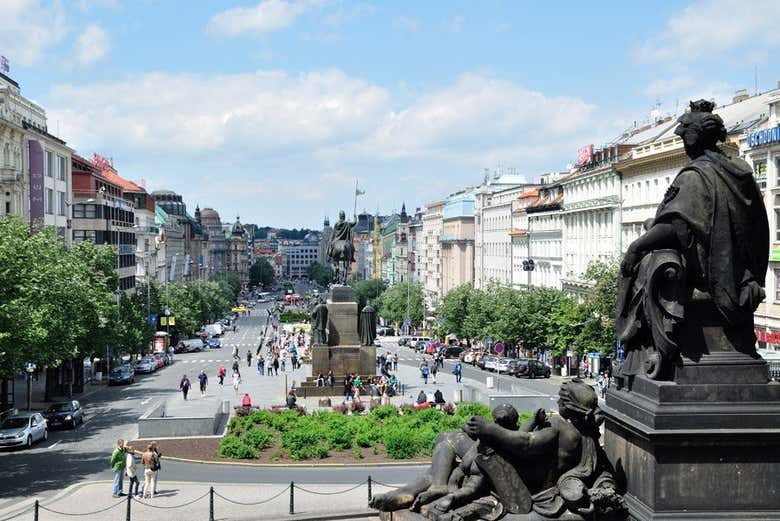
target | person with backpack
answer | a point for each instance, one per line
(434, 371)
(184, 386)
(203, 380)
(221, 374)
(425, 371)
(151, 463)
(457, 371)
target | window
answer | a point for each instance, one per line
(61, 168)
(48, 166)
(60, 203)
(777, 285)
(8, 207)
(777, 217)
(759, 173)
(48, 201)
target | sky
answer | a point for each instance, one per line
(273, 110)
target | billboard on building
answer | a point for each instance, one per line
(36, 180)
(584, 154)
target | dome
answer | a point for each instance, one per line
(209, 213)
(238, 229)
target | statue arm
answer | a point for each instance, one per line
(660, 236)
(527, 444)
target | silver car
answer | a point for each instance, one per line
(23, 429)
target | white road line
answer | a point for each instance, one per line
(54, 444)
(145, 401)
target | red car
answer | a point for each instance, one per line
(160, 360)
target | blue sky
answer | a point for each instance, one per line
(272, 109)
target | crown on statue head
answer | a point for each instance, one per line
(702, 105)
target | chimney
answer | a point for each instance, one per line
(740, 95)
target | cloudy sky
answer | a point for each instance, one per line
(272, 110)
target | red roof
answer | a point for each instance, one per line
(124, 184)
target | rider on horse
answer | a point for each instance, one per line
(341, 250)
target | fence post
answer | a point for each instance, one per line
(129, 500)
(211, 503)
(369, 488)
(292, 496)
(36, 511)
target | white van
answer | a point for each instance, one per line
(214, 330)
(193, 344)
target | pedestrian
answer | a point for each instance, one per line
(283, 364)
(259, 365)
(151, 464)
(235, 365)
(184, 385)
(294, 361)
(203, 379)
(236, 381)
(248, 358)
(276, 366)
(601, 384)
(221, 374)
(434, 371)
(130, 470)
(356, 384)
(424, 369)
(235, 351)
(329, 379)
(457, 370)
(291, 399)
(118, 467)
(348, 393)
(157, 465)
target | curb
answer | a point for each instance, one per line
(19, 509)
(299, 465)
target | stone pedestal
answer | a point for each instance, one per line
(343, 354)
(706, 446)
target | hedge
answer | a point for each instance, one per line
(399, 433)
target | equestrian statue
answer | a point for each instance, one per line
(341, 250)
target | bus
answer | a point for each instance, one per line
(264, 296)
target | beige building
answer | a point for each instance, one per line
(429, 253)
(457, 241)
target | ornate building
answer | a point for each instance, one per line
(237, 258)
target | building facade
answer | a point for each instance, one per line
(237, 258)
(429, 253)
(457, 241)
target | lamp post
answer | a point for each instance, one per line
(30, 368)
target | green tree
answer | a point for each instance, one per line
(261, 273)
(454, 309)
(320, 274)
(598, 332)
(393, 303)
(368, 292)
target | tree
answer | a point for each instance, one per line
(454, 310)
(320, 274)
(598, 331)
(393, 303)
(261, 273)
(368, 292)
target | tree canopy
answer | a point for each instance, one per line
(320, 274)
(393, 303)
(261, 273)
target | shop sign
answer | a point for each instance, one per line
(764, 137)
(768, 337)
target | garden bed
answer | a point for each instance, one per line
(386, 433)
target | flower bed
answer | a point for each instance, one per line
(395, 433)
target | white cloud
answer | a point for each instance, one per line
(29, 28)
(663, 87)
(713, 26)
(92, 45)
(267, 16)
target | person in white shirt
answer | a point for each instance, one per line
(236, 381)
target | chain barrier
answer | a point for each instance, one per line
(161, 507)
(211, 493)
(331, 493)
(249, 504)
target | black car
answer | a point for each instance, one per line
(123, 374)
(64, 414)
(451, 351)
(531, 369)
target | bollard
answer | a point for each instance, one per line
(292, 495)
(211, 503)
(36, 511)
(369, 488)
(129, 500)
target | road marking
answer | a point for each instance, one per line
(145, 401)
(211, 361)
(54, 444)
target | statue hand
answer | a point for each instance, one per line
(630, 262)
(475, 426)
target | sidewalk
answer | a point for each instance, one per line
(187, 500)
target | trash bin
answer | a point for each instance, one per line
(489, 382)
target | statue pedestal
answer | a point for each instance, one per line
(343, 354)
(703, 447)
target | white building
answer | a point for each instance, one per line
(24, 132)
(429, 253)
(297, 256)
(492, 224)
(545, 234)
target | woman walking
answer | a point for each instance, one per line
(236, 381)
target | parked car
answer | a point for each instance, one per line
(491, 362)
(160, 360)
(65, 414)
(121, 374)
(532, 368)
(214, 330)
(145, 365)
(404, 340)
(386, 331)
(23, 429)
(214, 343)
(191, 345)
(483, 361)
(452, 351)
(503, 364)
(470, 356)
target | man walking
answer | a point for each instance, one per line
(221, 374)
(184, 386)
(203, 379)
(118, 467)
(248, 358)
(457, 370)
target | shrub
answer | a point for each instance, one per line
(357, 453)
(341, 408)
(357, 407)
(233, 447)
(259, 437)
(467, 410)
(384, 412)
(399, 444)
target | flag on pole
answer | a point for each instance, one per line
(358, 192)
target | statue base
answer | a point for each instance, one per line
(342, 360)
(706, 446)
(342, 317)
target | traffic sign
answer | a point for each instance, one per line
(489, 341)
(499, 348)
(621, 353)
(153, 318)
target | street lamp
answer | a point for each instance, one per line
(30, 368)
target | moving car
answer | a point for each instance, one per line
(146, 365)
(532, 368)
(214, 343)
(23, 429)
(122, 374)
(377, 342)
(188, 346)
(451, 351)
(65, 414)
(404, 340)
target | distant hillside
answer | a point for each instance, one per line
(282, 233)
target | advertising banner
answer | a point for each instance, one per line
(36, 181)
